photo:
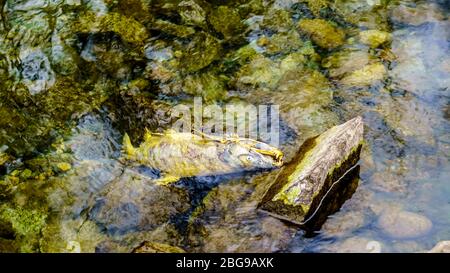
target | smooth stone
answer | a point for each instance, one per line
(404, 224)
(388, 182)
(356, 245)
(423, 13)
(441, 247)
(339, 225)
(374, 38)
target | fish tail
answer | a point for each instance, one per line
(127, 148)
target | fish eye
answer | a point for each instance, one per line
(246, 158)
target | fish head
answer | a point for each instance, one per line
(250, 154)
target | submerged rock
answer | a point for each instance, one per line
(151, 247)
(422, 13)
(387, 181)
(173, 29)
(200, 52)
(374, 38)
(321, 162)
(410, 118)
(367, 14)
(37, 73)
(227, 221)
(340, 225)
(133, 202)
(441, 247)
(421, 59)
(211, 87)
(4, 157)
(227, 21)
(278, 20)
(285, 42)
(345, 62)
(25, 225)
(192, 13)
(316, 6)
(322, 32)
(401, 224)
(260, 71)
(355, 245)
(128, 28)
(366, 76)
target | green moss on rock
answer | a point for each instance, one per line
(227, 21)
(200, 52)
(153, 247)
(346, 61)
(322, 32)
(24, 221)
(284, 42)
(368, 75)
(374, 38)
(173, 29)
(315, 6)
(192, 13)
(128, 28)
(278, 20)
(320, 162)
(208, 85)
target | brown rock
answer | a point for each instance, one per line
(403, 224)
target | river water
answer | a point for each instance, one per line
(76, 75)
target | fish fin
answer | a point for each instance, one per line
(167, 179)
(206, 136)
(127, 148)
(147, 135)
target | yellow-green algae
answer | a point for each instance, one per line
(154, 247)
(288, 196)
(200, 52)
(227, 21)
(128, 28)
(316, 6)
(279, 20)
(173, 29)
(284, 42)
(365, 76)
(322, 32)
(26, 223)
(374, 38)
(208, 85)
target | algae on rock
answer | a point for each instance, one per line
(346, 61)
(374, 38)
(365, 76)
(211, 87)
(322, 32)
(128, 28)
(153, 247)
(321, 162)
(200, 52)
(226, 21)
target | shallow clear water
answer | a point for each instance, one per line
(76, 75)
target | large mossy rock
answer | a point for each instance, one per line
(302, 185)
(322, 32)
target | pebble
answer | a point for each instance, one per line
(441, 247)
(388, 182)
(356, 245)
(63, 166)
(343, 224)
(403, 224)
